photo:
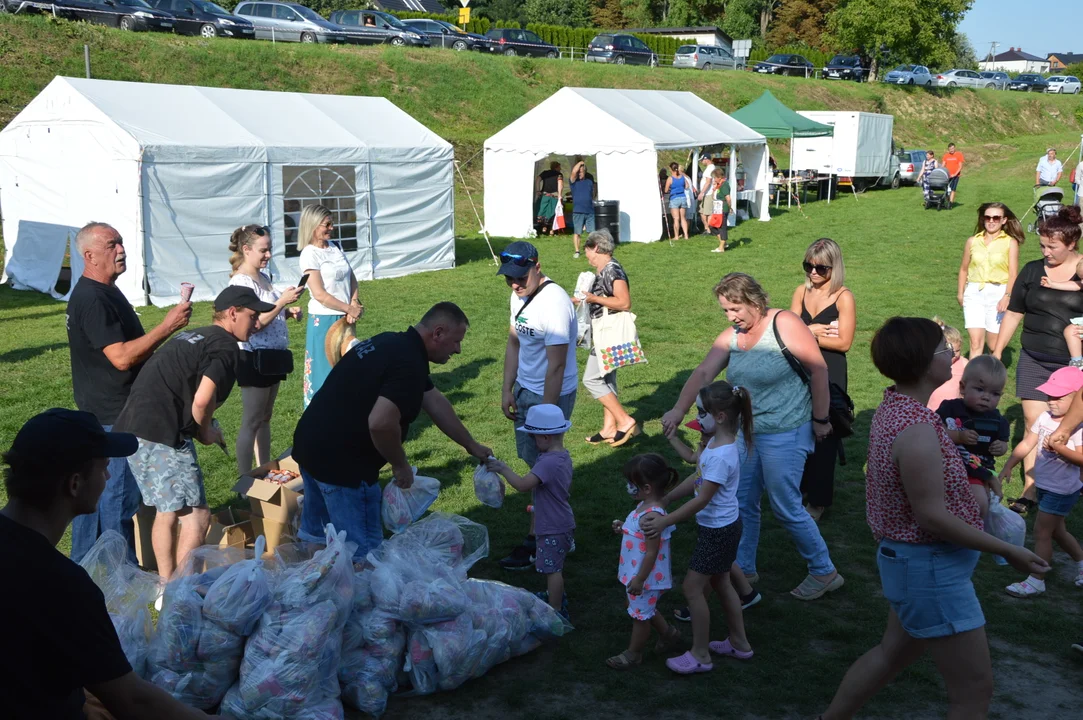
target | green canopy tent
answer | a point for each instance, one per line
(770, 118)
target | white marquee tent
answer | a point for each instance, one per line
(176, 169)
(624, 129)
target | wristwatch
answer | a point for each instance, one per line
(822, 421)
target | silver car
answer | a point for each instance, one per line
(290, 22)
(962, 78)
(910, 75)
(1000, 80)
(1064, 84)
(910, 162)
(705, 57)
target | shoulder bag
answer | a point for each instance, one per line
(841, 410)
(616, 340)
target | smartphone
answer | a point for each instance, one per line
(302, 281)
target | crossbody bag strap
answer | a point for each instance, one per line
(795, 364)
(530, 298)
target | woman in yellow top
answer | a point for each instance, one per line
(990, 264)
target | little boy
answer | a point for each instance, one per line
(976, 426)
(551, 481)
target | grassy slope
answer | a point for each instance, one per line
(900, 260)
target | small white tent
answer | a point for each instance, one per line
(176, 169)
(624, 129)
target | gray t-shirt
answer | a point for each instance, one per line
(552, 506)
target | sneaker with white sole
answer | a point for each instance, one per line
(1024, 589)
(521, 558)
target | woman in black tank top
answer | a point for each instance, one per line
(827, 307)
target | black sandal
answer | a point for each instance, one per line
(1022, 505)
(598, 439)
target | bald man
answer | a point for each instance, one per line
(108, 347)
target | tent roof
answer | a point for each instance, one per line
(182, 123)
(607, 121)
(769, 116)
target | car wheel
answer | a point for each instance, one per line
(127, 23)
(706, 66)
(208, 31)
(552, 55)
(619, 60)
(308, 38)
(458, 45)
(510, 52)
(953, 84)
(896, 182)
(397, 41)
(910, 81)
(989, 86)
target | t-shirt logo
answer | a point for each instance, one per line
(363, 348)
(67, 322)
(191, 337)
(522, 327)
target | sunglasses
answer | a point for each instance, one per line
(518, 260)
(259, 230)
(993, 218)
(820, 269)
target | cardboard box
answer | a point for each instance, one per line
(228, 528)
(274, 507)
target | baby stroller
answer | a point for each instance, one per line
(937, 196)
(1048, 201)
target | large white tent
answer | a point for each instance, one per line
(624, 130)
(176, 168)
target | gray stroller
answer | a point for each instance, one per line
(937, 196)
(1048, 201)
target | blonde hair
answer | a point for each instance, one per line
(339, 337)
(827, 252)
(241, 238)
(742, 288)
(951, 336)
(312, 216)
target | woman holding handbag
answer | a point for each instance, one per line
(723, 205)
(826, 306)
(267, 359)
(608, 295)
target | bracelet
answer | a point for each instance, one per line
(822, 421)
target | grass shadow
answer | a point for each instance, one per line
(23, 354)
(473, 249)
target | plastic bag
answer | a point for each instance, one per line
(368, 675)
(403, 506)
(457, 541)
(128, 592)
(457, 649)
(420, 665)
(1003, 524)
(238, 598)
(411, 583)
(583, 284)
(489, 487)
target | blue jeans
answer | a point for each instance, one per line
(355, 510)
(116, 507)
(776, 465)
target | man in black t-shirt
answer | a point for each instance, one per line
(108, 347)
(173, 401)
(58, 637)
(358, 421)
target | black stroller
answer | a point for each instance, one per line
(1048, 201)
(937, 196)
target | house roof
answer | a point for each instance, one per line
(1068, 58)
(426, 6)
(680, 30)
(1016, 54)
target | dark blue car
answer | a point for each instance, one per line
(199, 17)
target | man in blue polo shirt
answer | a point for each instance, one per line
(584, 191)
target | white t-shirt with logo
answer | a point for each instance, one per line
(722, 466)
(548, 320)
(335, 271)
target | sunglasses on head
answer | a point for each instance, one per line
(820, 269)
(260, 230)
(518, 260)
(992, 218)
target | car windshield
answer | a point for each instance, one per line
(602, 40)
(449, 26)
(905, 68)
(308, 13)
(209, 7)
(137, 3)
(1056, 78)
(780, 59)
(686, 50)
(843, 60)
(392, 21)
(1026, 77)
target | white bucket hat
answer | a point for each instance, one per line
(545, 419)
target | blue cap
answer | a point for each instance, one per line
(517, 259)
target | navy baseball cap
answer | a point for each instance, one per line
(517, 259)
(237, 296)
(71, 434)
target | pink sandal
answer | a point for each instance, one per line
(724, 648)
(688, 665)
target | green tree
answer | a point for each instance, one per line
(571, 13)
(639, 13)
(801, 21)
(608, 15)
(767, 10)
(965, 57)
(499, 9)
(920, 31)
(742, 19)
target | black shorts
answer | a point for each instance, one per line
(716, 549)
(953, 183)
(248, 376)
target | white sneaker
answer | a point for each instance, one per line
(576, 256)
(1024, 589)
(717, 250)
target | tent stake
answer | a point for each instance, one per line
(481, 225)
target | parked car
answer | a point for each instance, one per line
(1029, 83)
(1064, 84)
(910, 162)
(371, 27)
(123, 14)
(25, 6)
(961, 78)
(705, 57)
(620, 50)
(910, 75)
(199, 17)
(1000, 79)
(290, 22)
(785, 65)
(844, 67)
(510, 41)
(444, 34)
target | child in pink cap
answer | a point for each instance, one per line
(1057, 477)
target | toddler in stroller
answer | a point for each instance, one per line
(936, 192)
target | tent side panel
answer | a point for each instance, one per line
(189, 213)
(509, 193)
(632, 179)
(413, 217)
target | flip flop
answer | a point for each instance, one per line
(622, 662)
(623, 436)
(688, 665)
(598, 439)
(724, 648)
(812, 589)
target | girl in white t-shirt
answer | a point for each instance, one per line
(723, 409)
(333, 288)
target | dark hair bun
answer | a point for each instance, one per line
(1072, 214)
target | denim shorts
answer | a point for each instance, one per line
(677, 201)
(929, 587)
(1055, 503)
(582, 223)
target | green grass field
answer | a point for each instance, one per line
(900, 260)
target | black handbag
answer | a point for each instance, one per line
(841, 409)
(272, 363)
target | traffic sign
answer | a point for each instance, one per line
(464, 15)
(742, 48)
(464, 3)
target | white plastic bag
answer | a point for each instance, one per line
(1003, 524)
(403, 506)
(488, 487)
(458, 541)
(583, 284)
(415, 585)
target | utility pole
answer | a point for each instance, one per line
(993, 54)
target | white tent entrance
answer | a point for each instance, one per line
(176, 169)
(624, 130)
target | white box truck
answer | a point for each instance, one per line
(861, 148)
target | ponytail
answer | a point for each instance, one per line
(242, 237)
(744, 411)
(733, 400)
(651, 469)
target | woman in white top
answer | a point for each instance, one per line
(333, 287)
(251, 247)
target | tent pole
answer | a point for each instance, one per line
(789, 179)
(469, 197)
